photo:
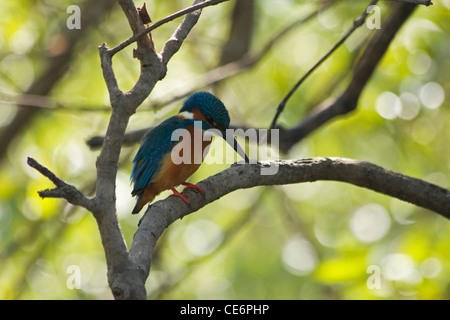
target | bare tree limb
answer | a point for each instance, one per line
(178, 14)
(125, 278)
(356, 24)
(62, 190)
(364, 69)
(128, 270)
(218, 74)
(179, 276)
(54, 69)
(116, 252)
(135, 22)
(176, 40)
(47, 103)
(163, 213)
(241, 32)
(108, 74)
(424, 2)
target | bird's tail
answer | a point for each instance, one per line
(138, 206)
(143, 198)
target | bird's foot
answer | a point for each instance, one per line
(195, 187)
(177, 194)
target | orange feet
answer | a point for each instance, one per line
(195, 187)
(177, 194)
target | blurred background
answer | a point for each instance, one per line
(322, 240)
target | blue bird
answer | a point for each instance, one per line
(154, 169)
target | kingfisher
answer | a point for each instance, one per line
(156, 167)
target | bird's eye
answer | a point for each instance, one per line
(209, 118)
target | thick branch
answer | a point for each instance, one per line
(135, 22)
(119, 266)
(360, 173)
(124, 279)
(424, 2)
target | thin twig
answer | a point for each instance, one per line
(211, 77)
(162, 214)
(45, 172)
(356, 24)
(216, 75)
(62, 190)
(363, 71)
(424, 2)
(159, 23)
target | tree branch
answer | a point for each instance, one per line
(62, 190)
(119, 266)
(163, 213)
(356, 24)
(241, 32)
(364, 69)
(219, 74)
(178, 14)
(135, 22)
(108, 74)
(424, 2)
(55, 67)
(125, 278)
(176, 40)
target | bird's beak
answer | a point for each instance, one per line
(232, 142)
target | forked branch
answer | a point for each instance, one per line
(63, 189)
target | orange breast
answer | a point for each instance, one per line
(172, 174)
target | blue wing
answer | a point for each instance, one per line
(155, 144)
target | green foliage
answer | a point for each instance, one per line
(308, 241)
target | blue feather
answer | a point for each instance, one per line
(209, 105)
(155, 145)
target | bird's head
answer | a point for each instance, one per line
(205, 107)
